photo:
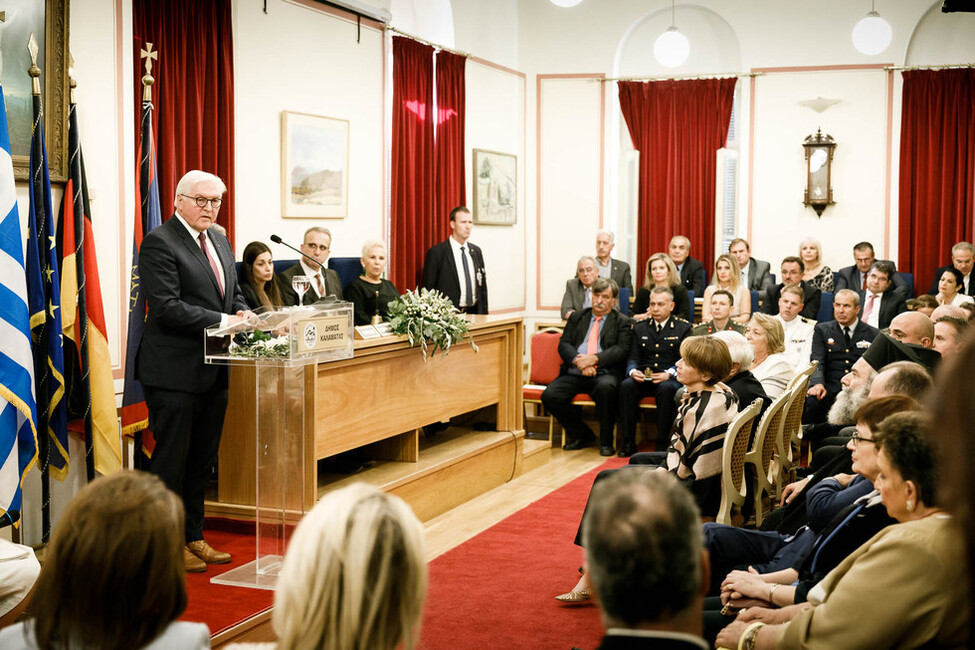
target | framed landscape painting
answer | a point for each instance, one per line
(495, 188)
(314, 166)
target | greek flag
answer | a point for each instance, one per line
(18, 409)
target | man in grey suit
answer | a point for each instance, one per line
(324, 282)
(614, 269)
(578, 290)
(190, 283)
(855, 277)
(756, 275)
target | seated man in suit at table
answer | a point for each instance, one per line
(755, 274)
(855, 277)
(837, 344)
(455, 267)
(644, 550)
(616, 270)
(881, 302)
(792, 269)
(652, 370)
(324, 282)
(593, 347)
(691, 270)
(578, 290)
(721, 303)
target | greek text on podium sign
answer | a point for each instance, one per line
(323, 333)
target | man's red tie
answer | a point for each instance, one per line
(213, 263)
(868, 308)
(593, 342)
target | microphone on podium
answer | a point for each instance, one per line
(277, 240)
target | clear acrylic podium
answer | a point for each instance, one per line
(280, 345)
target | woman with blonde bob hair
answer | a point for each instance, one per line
(114, 576)
(770, 366)
(355, 575)
(661, 272)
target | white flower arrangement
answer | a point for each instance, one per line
(428, 315)
(263, 345)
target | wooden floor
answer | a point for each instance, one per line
(477, 515)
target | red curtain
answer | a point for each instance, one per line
(677, 126)
(414, 228)
(937, 169)
(193, 93)
(450, 188)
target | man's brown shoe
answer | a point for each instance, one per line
(207, 553)
(193, 563)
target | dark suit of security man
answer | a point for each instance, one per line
(455, 267)
(594, 369)
(190, 283)
(836, 346)
(651, 370)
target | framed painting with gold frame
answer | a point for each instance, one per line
(48, 22)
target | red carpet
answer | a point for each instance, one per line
(497, 589)
(220, 606)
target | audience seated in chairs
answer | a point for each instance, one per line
(113, 577)
(771, 367)
(354, 576)
(578, 290)
(792, 269)
(661, 272)
(900, 589)
(815, 272)
(727, 276)
(694, 458)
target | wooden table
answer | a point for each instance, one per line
(380, 398)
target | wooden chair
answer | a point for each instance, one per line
(543, 367)
(785, 458)
(762, 454)
(733, 488)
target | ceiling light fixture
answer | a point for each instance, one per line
(671, 48)
(872, 34)
(565, 3)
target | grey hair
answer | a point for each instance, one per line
(369, 245)
(963, 245)
(319, 229)
(851, 293)
(355, 574)
(667, 290)
(741, 351)
(643, 543)
(590, 258)
(601, 284)
(193, 178)
(608, 233)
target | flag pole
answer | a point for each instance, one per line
(43, 414)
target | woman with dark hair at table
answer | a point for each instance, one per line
(371, 293)
(900, 589)
(257, 281)
(113, 578)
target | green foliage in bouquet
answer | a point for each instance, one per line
(261, 344)
(428, 316)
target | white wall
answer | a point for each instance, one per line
(301, 58)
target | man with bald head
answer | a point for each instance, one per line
(951, 311)
(913, 327)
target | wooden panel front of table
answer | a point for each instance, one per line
(380, 398)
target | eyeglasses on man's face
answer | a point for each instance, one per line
(201, 201)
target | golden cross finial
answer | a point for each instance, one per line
(147, 80)
(33, 70)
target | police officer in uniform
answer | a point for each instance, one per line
(651, 370)
(836, 345)
(721, 303)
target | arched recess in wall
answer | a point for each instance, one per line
(432, 20)
(941, 38)
(714, 49)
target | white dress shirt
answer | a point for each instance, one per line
(313, 275)
(798, 340)
(455, 246)
(873, 318)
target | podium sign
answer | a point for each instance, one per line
(280, 345)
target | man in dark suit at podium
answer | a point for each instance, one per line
(190, 283)
(456, 267)
(593, 347)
